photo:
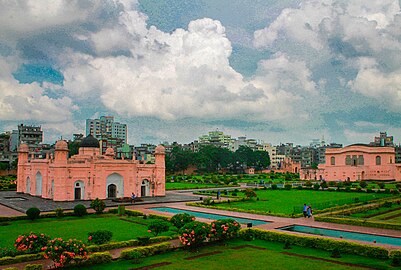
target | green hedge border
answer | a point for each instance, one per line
(322, 243)
(128, 254)
(356, 222)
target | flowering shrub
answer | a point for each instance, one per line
(158, 226)
(33, 242)
(225, 229)
(194, 233)
(63, 252)
(98, 205)
(181, 219)
(100, 237)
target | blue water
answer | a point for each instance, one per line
(345, 235)
(209, 216)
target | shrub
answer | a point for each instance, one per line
(121, 210)
(98, 205)
(158, 226)
(387, 204)
(136, 257)
(363, 184)
(335, 253)
(32, 242)
(80, 210)
(308, 184)
(59, 212)
(99, 258)
(143, 240)
(33, 267)
(287, 245)
(288, 186)
(223, 229)
(62, 252)
(207, 200)
(130, 253)
(249, 193)
(299, 187)
(248, 235)
(33, 213)
(274, 187)
(316, 186)
(194, 233)
(181, 219)
(100, 237)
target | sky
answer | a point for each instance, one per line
(172, 70)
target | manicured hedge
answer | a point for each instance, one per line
(319, 243)
(132, 213)
(128, 254)
(44, 215)
(33, 267)
(98, 258)
(129, 243)
(358, 222)
(21, 258)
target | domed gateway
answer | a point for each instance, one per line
(89, 175)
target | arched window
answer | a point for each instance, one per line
(378, 160)
(333, 161)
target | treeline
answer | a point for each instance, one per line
(210, 159)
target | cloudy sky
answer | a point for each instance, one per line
(275, 70)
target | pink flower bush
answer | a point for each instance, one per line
(194, 233)
(63, 252)
(224, 229)
(32, 242)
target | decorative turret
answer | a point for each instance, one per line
(89, 146)
(61, 151)
(23, 152)
(160, 152)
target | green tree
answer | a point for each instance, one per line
(179, 159)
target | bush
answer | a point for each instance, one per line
(136, 257)
(287, 245)
(247, 235)
(223, 229)
(98, 205)
(249, 193)
(32, 242)
(288, 186)
(316, 186)
(274, 187)
(33, 267)
(100, 237)
(98, 258)
(80, 210)
(63, 253)
(335, 253)
(59, 212)
(387, 204)
(363, 184)
(143, 240)
(181, 219)
(129, 254)
(20, 258)
(194, 233)
(33, 213)
(158, 226)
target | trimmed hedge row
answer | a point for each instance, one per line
(128, 243)
(128, 212)
(128, 254)
(21, 258)
(319, 243)
(45, 215)
(358, 222)
(97, 258)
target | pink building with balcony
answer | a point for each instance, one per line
(357, 162)
(89, 175)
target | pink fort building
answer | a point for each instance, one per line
(89, 175)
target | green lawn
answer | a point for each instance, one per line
(183, 185)
(77, 227)
(284, 201)
(268, 256)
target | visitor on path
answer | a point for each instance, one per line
(304, 211)
(218, 195)
(309, 211)
(133, 197)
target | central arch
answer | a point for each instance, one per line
(117, 189)
(38, 184)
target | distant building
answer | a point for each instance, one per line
(30, 135)
(216, 138)
(383, 140)
(358, 162)
(89, 174)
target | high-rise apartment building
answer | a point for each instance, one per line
(31, 135)
(105, 127)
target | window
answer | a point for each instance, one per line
(333, 161)
(348, 160)
(378, 160)
(360, 160)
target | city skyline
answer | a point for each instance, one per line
(277, 71)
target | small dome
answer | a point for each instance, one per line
(89, 141)
(61, 145)
(110, 152)
(23, 148)
(160, 149)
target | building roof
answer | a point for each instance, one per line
(89, 141)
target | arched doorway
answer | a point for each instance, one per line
(117, 190)
(145, 188)
(111, 191)
(38, 178)
(79, 190)
(28, 185)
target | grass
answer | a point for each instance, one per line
(284, 201)
(272, 257)
(184, 185)
(77, 227)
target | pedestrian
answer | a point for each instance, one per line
(309, 210)
(304, 211)
(133, 197)
(218, 195)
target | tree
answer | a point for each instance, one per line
(158, 226)
(179, 159)
(261, 160)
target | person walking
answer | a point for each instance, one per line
(133, 197)
(305, 210)
(309, 211)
